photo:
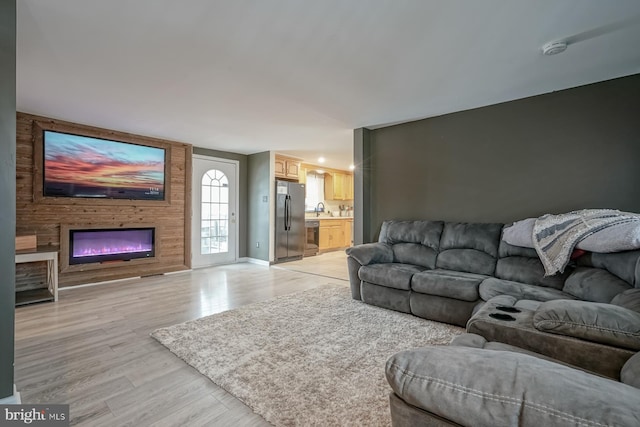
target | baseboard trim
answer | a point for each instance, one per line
(106, 282)
(254, 261)
(13, 399)
(124, 279)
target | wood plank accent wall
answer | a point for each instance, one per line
(172, 219)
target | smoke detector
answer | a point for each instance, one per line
(554, 48)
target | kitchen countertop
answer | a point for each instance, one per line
(325, 217)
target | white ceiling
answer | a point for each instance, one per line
(297, 76)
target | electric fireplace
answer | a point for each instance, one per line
(110, 244)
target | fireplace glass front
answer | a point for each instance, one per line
(111, 244)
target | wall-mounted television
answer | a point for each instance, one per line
(87, 167)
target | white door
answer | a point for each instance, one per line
(215, 207)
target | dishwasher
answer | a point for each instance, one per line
(313, 238)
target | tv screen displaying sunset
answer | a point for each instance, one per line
(81, 166)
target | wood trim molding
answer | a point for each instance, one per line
(312, 167)
(188, 210)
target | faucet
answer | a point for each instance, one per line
(318, 209)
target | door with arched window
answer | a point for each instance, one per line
(214, 219)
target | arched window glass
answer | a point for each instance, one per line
(214, 229)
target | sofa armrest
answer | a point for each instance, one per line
(602, 323)
(371, 253)
(472, 386)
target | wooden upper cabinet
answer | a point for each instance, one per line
(280, 167)
(293, 169)
(286, 167)
(338, 186)
(348, 187)
(302, 178)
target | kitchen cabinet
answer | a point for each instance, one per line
(348, 233)
(302, 179)
(348, 187)
(286, 167)
(335, 234)
(338, 186)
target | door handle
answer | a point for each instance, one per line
(286, 213)
(289, 213)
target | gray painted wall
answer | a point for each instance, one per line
(361, 185)
(7, 191)
(259, 207)
(243, 218)
(572, 149)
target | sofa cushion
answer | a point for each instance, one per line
(447, 283)
(484, 237)
(594, 284)
(629, 299)
(391, 275)
(597, 322)
(523, 265)
(472, 248)
(471, 386)
(630, 373)
(426, 233)
(493, 287)
(617, 238)
(520, 233)
(467, 260)
(527, 270)
(414, 253)
(625, 265)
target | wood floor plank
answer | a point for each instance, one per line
(200, 412)
(92, 348)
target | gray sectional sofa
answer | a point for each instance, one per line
(444, 271)
(475, 382)
(464, 274)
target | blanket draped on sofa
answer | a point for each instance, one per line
(555, 236)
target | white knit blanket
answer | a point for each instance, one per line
(555, 236)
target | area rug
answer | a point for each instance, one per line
(312, 358)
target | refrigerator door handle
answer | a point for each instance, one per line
(286, 212)
(289, 213)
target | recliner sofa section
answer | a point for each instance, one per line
(431, 269)
(445, 271)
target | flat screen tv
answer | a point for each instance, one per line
(86, 167)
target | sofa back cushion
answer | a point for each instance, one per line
(469, 247)
(415, 254)
(594, 284)
(412, 242)
(520, 264)
(625, 265)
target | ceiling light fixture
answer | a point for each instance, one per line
(352, 167)
(320, 159)
(553, 48)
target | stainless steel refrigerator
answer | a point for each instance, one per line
(290, 228)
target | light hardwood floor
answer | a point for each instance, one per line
(92, 348)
